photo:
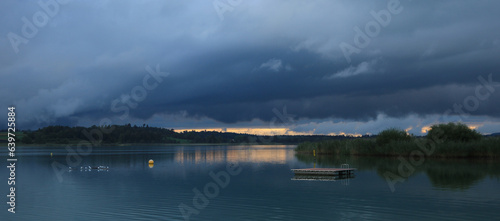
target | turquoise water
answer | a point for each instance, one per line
(260, 186)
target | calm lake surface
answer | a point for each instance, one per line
(261, 186)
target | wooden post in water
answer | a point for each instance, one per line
(314, 154)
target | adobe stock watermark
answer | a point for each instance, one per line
(223, 6)
(372, 29)
(95, 136)
(285, 118)
(211, 190)
(48, 10)
(222, 179)
(406, 167)
(139, 92)
(471, 103)
(282, 118)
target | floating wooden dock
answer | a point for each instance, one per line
(325, 174)
(317, 178)
(325, 171)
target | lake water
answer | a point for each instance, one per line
(260, 186)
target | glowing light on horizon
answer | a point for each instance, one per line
(425, 129)
(345, 134)
(253, 131)
(471, 126)
(408, 130)
(474, 126)
(266, 131)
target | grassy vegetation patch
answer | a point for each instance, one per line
(444, 140)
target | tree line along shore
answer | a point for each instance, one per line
(443, 140)
(452, 140)
(144, 134)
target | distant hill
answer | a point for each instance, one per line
(121, 134)
(494, 134)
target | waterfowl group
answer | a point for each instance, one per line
(89, 168)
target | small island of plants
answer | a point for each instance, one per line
(452, 140)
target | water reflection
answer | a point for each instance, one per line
(250, 154)
(456, 174)
(138, 157)
(321, 178)
(265, 189)
(447, 174)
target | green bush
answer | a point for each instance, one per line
(404, 146)
(390, 135)
(457, 132)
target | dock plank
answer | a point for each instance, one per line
(324, 171)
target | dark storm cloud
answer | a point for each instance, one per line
(263, 55)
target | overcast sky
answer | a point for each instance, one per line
(332, 66)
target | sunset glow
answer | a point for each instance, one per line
(267, 131)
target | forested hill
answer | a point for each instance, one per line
(120, 134)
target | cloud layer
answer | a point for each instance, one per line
(262, 55)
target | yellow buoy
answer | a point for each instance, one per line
(151, 163)
(50, 154)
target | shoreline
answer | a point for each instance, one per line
(308, 153)
(407, 146)
(154, 144)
